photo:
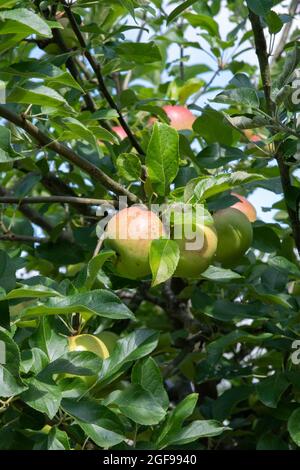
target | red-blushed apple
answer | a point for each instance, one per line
(250, 134)
(130, 233)
(181, 118)
(120, 132)
(245, 206)
(235, 235)
(193, 262)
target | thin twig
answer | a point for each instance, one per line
(102, 86)
(53, 199)
(13, 237)
(67, 153)
(285, 33)
(284, 170)
(263, 58)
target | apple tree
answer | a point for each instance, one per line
(137, 342)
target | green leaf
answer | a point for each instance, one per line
(129, 166)
(164, 257)
(7, 272)
(38, 291)
(98, 302)
(33, 360)
(216, 348)
(224, 406)
(176, 418)
(139, 405)
(98, 422)
(9, 385)
(213, 128)
(42, 396)
(54, 440)
(24, 20)
(134, 346)
(265, 239)
(7, 153)
(139, 53)
(48, 340)
(41, 69)
(197, 430)
(79, 130)
(294, 426)
(274, 22)
(246, 97)
(208, 186)
(270, 389)
(147, 374)
(284, 265)
(95, 265)
(82, 363)
(176, 12)
(214, 273)
(162, 158)
(260, 7)
(36, 94)
(204, 22)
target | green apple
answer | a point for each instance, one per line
(193, 262)
(109, 339)
(234, 235)
(90, 343)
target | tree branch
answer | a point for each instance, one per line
(56, 186)
(102, 87)
(52, 199)
(285, 33)
(67, 153)
(284, 170)
(13, 237)
(31, 214)
(263, 58)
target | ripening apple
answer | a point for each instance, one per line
(250, 134)
(130, 233)
(245, 206)
(120, 132)
(234, 235)
(91, 343)
(109, 338)
(193, 262)
(181, 118)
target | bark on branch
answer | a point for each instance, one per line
(67, 153)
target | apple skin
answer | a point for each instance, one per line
(130, 233)
(235, 235)
(120, 132)
(90, 343)
(181, 118)
(109, 338)
(245, 206)
(194, 262)
(250, 134)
